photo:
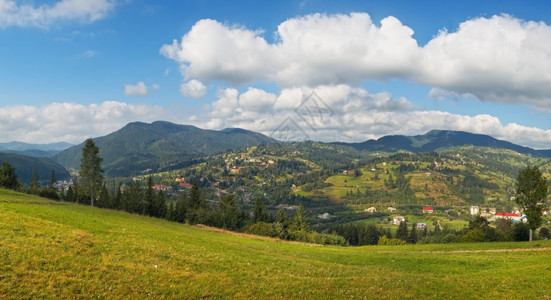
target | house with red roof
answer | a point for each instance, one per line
(428, 210)
(508, 216)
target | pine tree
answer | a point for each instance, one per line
(116, 203)
(300, 221)
(148, 207)
(91, 174)
(228, 214)
(160, 207)
(195, 199)
(412, 237)
(170, 211)
(52, 180)
(402, 232)
(8, 177)
(260, 212)
(103, 199)
(34, 182)
(180, 209)
(70, 195)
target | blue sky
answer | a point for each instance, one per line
(72, 69)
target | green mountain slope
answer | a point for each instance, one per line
(139, 146)
(66, 251)
(24, 166)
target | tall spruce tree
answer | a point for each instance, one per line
(412, 237)
(228, 213)
(531, 194)
(300, 222)
(91, 174)
(8, 177)
(149, 205)
(35, 185)
(52, 180)
(402, 232)
(260, 212)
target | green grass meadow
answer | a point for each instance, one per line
(59, 250)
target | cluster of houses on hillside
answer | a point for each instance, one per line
(491, 214)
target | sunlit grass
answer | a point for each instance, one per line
(58, 250)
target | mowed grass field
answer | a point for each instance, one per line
(58, 250)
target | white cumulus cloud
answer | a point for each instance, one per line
(72, 122)
(498, 59)
(25, 14)
(139, 89)
(193, 88)
(344, 113)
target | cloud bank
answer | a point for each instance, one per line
(15, 13)
(71, 122)
(498, 59)
(348, 114)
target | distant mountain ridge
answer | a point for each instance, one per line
(34, 150)
(139, 146)
(439, 139)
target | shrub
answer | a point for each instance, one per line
(262, 228)
(544, 233)
(49, 193)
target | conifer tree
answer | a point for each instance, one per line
(412, 237)
(34, 182)
(8, 177)
(91, 174)
(260, 212)
(300, 221)
(402, 232)
(52, 180)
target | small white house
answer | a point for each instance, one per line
(421, 226)
(391, 209)
(475, 210)
(325, 216)
(370, 210)
(398, 219)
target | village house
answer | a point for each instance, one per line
(398, 219)
(370, 210)
(474, 210)
(325, 216)
(287, 206)
(428, 210)
(391, 209)
(421, 226)
(509, 216)
(164, 188)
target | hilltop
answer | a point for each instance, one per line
(62, 250)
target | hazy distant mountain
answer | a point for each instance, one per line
(24, 166)
(36, 150)
(440, 139)
(139, 146)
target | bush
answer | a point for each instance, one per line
(384, 241)
(520, 232)
(262, 228)
(544, 233)
(49, 193)
(318, 238)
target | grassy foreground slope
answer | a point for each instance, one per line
(59, 250)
